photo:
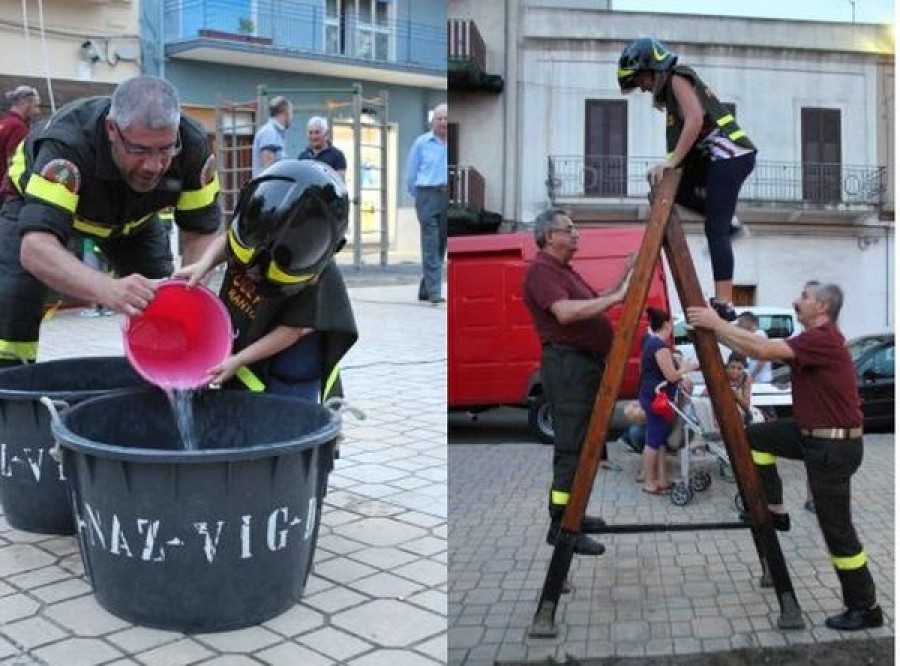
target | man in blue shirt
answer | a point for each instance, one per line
(426, 180)
(268, 144)
(321, 149)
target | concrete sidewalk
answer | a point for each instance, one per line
(378, 593)
(651, 594)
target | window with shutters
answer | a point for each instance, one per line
(820, 130)
(605, 148)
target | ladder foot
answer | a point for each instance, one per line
(543, 625)
(791, 617)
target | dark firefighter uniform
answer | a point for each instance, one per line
(826, 433)
(721, 138)
(62, 180)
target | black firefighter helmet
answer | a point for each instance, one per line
(289, 222)
(644, 54)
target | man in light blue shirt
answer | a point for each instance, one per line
(268, 144)
(426, 180)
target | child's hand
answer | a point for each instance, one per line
(193, 273)
(221, 373)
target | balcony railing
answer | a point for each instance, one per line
(466, 187)
(604, 176)
(465, 42)
(302, 29)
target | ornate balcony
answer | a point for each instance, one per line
(466, 213)
(467, 59)
(589, 178)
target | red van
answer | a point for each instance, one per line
(494, 354)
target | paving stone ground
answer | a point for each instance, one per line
(378, 592)
(672, 593)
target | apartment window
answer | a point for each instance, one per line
(820, 131)
(605, 149)
(359, 28)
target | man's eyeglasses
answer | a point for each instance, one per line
(137, 150)
(569, 229)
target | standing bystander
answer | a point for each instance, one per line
(321, 149)
(426, 180)
(25, 103)
(825, 433)
(570, 319)
(268, 144)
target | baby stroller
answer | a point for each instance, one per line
(701, 447)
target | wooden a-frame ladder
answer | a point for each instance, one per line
(664, 231)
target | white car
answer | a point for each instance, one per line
(772, 398)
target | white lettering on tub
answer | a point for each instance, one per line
(211, 542)
(271, 532)
(5, 467)
(152, 539)
(95, 526)
(246, 553)
(35, 465)
(117, 540)
(310, 519)
(152, 530)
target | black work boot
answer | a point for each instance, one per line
(592, 524)
(855, 619)
(780, 521)
(724, 309)
(584, 545)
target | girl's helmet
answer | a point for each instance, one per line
(643, 54)
(289, 222)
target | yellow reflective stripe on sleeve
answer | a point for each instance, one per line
(86, 227)
(194, 199)
(724, 120)
(23, 351)
(737, 134)
(134, 224)
(850, 563)
(54, 193)
(330, 382)
(250, 380)
(625, 72)
(762, 458)
(17, 166)
(559, 497)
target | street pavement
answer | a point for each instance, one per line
(377, 596)
(651, 594)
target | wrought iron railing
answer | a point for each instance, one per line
(464, 42)
(466, 187)
(604, 176)
(301, 29)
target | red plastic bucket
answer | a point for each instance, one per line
(181, 335)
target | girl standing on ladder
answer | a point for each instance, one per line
(705, 141)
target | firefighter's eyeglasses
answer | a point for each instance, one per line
(137, 150)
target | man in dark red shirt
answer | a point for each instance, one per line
(826, 433)
(575, 335)
(14, 124)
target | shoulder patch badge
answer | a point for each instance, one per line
(63, 172)
(208, 172)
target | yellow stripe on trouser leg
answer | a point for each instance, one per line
(330, 382)
(763, 458)
(849, 563)
(22, 351)
(249, 379)
(559, 497)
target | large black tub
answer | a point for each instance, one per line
(211, 539)
(32, 487)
